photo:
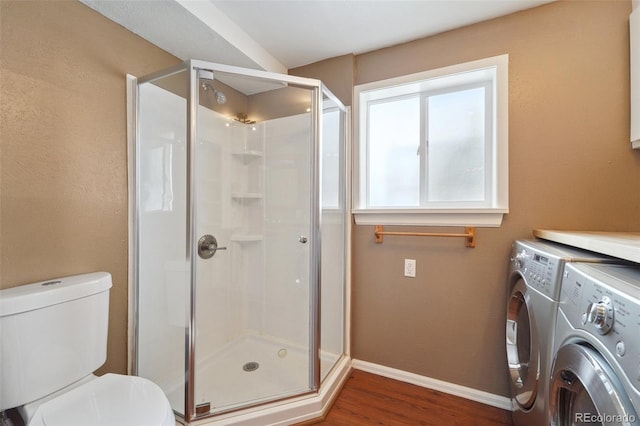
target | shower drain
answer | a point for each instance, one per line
(251, 366)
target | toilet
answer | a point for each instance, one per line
(53, 336)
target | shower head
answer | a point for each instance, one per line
(220, 97)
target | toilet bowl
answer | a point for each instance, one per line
(54, 336)
(108, 400)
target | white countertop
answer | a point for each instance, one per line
(624, 245)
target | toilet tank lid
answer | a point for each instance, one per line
(38, 295)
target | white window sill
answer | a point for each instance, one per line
(489, 218)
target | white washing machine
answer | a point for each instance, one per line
(595, 376)
(534, 282)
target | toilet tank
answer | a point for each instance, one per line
(52, 333)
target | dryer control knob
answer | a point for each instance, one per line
(600, 314)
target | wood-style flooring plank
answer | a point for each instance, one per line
(369, 399)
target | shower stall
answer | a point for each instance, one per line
(239, 249)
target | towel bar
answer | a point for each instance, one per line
(469, 234)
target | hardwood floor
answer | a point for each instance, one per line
(368, 399)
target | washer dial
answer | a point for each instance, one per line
(600, 314)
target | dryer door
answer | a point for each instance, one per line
(523, 350)
(585, 390)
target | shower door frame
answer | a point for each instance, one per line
(192, 67)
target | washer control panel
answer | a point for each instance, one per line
(604, 300)
(541, 263)
(540, 269)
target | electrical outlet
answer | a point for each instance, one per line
(410, 268)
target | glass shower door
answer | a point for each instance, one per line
(255, 228)
(162, 271)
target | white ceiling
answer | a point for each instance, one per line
(277, 35)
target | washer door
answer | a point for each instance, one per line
(523, 350)
(585, 390)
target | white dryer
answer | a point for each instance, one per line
(534, 289)
(595, 375)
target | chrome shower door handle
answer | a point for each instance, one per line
(208, 246)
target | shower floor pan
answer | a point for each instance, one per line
(252, 369)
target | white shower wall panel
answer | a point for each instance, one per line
(287, 205)
(163, 271)
(266, 294)
(217, 298)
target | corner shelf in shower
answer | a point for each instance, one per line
(247, 156)
(240, 196)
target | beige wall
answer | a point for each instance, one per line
(338, 74)
(571, 167)
(64, 164)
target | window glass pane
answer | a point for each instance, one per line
(394, 165)
(456, 159)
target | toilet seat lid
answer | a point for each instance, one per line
(112, 399)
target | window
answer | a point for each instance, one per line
(433, 147)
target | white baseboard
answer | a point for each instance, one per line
(439, 385)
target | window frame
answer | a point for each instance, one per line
(488, 213)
